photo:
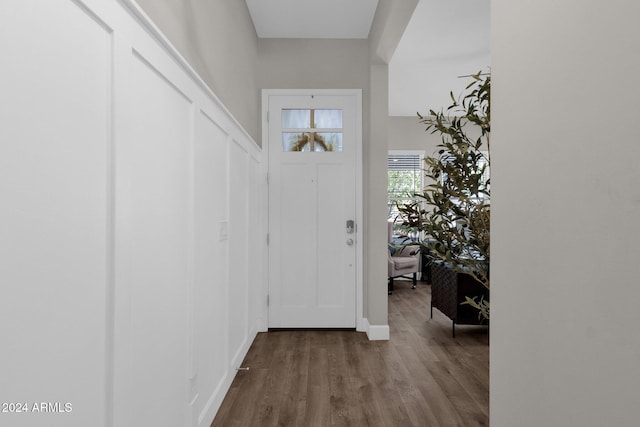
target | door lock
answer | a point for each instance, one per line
(350, 242)
(351, 226)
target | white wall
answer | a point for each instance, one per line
(407, 133)
(312, 64)
(219, 41)
(326, 64)
(390, 20)
(346, 64)
(564, 324)
(131, 200)
(375, 171)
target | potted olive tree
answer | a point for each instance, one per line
(456, 212)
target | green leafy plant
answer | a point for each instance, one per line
(481, 305)
(457, 209)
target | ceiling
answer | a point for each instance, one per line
(312, 19)
(443, 40)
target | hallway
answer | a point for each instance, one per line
(420, 377)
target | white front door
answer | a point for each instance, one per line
(312, 146)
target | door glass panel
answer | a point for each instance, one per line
(311, 141)
(295, 141)
(328, 119)
(328, 141)
(296, 119)
(311, 124)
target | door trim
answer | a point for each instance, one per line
(357, 96)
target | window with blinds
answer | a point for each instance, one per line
(404, 180)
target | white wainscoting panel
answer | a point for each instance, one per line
(132, 231)
(211, 266)
(239, 261)
(55, 220)
(257, 239)
(158, 216)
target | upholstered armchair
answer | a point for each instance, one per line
(403, 260)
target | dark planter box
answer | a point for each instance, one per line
(449, 289)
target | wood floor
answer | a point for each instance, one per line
(420, 377)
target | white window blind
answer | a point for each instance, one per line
(405, 162)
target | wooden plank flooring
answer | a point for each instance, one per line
(420, 377)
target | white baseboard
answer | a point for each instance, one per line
(376, 332)
(214, 402)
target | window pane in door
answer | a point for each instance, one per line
(296, 119)
(311, 141)
(295, 141)
(328, 119)
(328, 141)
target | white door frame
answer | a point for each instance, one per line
(357, 95)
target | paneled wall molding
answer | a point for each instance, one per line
(133, 200)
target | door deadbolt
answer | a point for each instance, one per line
(350, 226)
